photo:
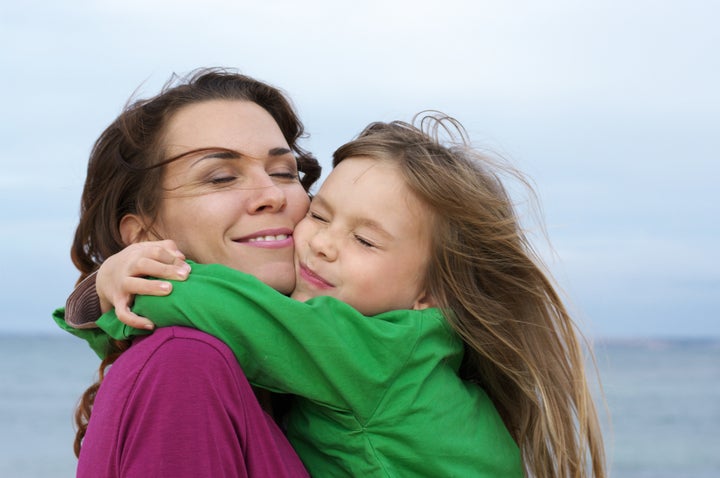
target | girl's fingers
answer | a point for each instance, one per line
(123, 275)
(170, 246)
(139, 286)
(130, 318)
(164, 251)
(161, 251)
(174, 270)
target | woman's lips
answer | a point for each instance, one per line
(269, 239)
(313, 279)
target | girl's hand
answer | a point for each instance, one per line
(124, 275)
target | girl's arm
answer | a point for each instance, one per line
(125, 274)
(97, 338)
(120, 278)
(323, 349)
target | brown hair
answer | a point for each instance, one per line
(521, 345)
(124, 174)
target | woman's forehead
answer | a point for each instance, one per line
(229, 124)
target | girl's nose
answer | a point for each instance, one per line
(323, 244)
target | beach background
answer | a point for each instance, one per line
(611, 108)
(663, 397)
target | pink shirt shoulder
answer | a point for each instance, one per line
(178, 404)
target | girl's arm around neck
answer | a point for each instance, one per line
(323, 349)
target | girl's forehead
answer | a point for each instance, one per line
(355, 168)
(366, 179)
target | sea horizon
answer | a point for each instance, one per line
(659, 406)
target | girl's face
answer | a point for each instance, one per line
(239, 210)
(365, 240)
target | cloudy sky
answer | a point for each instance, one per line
(613, 108)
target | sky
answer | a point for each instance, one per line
(611, 108)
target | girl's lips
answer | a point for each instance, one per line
(313, 279)
(269, 239)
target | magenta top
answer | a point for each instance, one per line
(178, 404)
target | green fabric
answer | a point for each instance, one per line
(376, 396)
(97, 339)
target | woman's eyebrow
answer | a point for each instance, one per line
(279, 151)
(221, 154)
(229, 154)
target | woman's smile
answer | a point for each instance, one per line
(272, 239)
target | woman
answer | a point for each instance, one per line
(213, 162)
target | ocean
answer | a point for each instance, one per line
(663, 402)
(661, 418)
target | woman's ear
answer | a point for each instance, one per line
(132, 229)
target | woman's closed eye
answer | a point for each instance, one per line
(290, 176)
(225, 179)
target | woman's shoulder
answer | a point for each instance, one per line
(173, 346)
(173, 361)
(172, 357)
(170, 385)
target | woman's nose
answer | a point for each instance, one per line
(266, 196)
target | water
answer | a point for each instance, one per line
(41, 379)
(663, 398)
(664, 403)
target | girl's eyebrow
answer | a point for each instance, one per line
(319, 199)
(375, 226)
(356, 221)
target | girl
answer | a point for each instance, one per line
(471, 365)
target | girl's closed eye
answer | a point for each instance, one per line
(314, 215)
(364, 242)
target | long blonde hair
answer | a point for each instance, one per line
(521, 344)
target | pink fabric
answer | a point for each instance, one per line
(177, 404)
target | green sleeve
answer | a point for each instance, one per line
(98, 340)
(323, 349)
(113, 328)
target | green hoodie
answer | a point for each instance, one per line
(375, 396)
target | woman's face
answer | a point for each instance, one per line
(239, 210)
